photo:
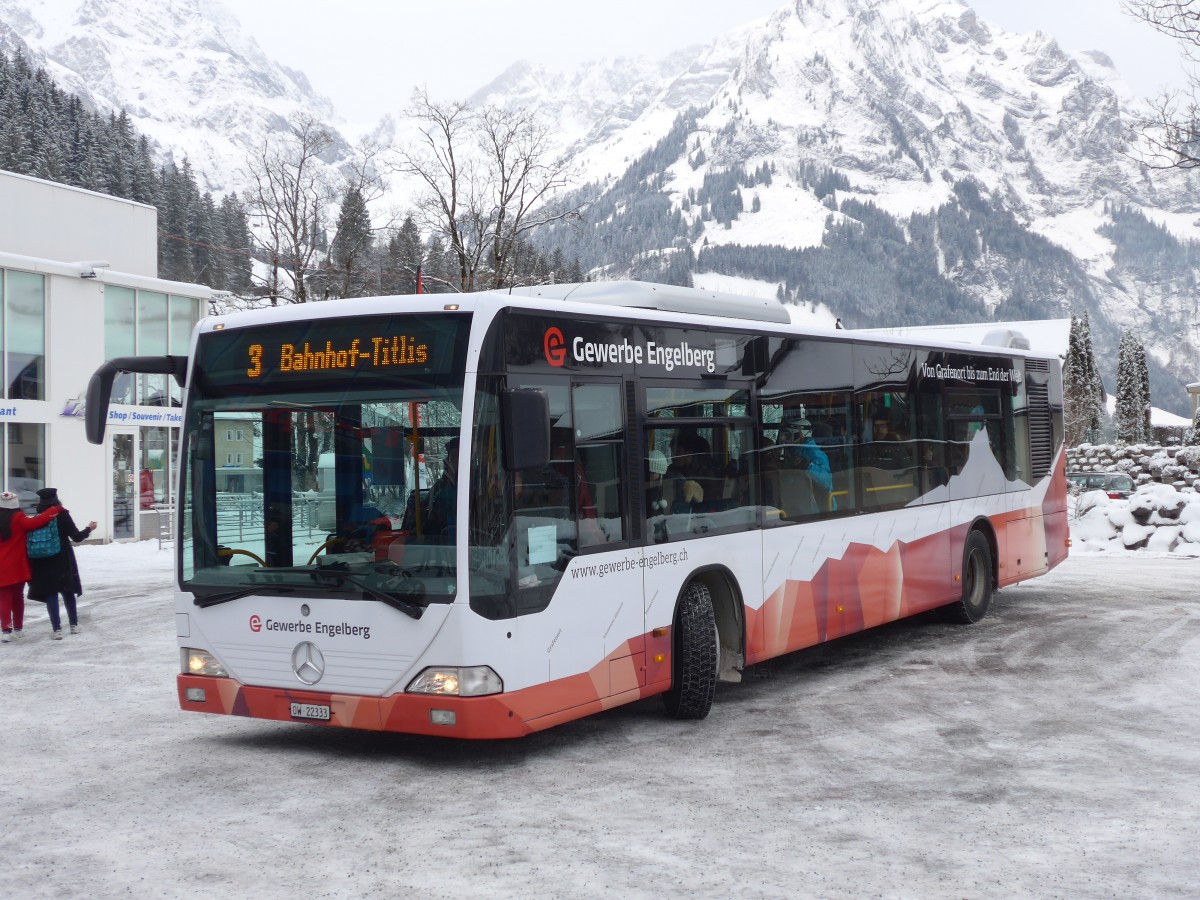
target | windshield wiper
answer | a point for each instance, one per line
(343, 576)
(391, 600)
(340, 575)
(206, 600)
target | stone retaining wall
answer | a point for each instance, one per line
(1145, 463)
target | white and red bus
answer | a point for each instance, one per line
(483, 515)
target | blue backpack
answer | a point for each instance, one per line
(43, 542)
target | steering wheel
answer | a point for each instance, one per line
(235, 551)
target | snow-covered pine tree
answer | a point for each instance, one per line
(350, 249)
(441, 276)
(1076, 387)
(1128, 416)
(1144, 381)
(405, 254)
(1097, 396)
(177, 214)
(205, 245)
(235, 244)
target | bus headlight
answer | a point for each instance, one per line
(457, 681)
(200, 662)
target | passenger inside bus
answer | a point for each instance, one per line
(442, 510)
(656, 468)
(415, 502)
(800, 454)
(694, 480)
(800, 450)
(572, 474)
(358, 531)
(882, 450)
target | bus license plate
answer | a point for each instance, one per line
(310, 711)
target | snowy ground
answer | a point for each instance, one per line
(1049, 751)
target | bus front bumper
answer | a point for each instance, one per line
(457, 717)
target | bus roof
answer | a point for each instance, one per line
(638, 295)
(662, 297)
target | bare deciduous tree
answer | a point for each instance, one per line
(291, 194)
(486, 175)
(1171, 129)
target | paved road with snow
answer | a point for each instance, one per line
(1049, 751)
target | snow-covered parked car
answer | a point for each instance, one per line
(1117, 485)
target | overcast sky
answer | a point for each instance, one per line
(367, 55)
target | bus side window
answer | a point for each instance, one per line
(888, 472)
(805, 456)
(702, 439)
(599, 452)
(546, 537)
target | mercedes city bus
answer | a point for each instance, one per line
(483, 515)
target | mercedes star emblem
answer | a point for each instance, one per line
(308, 663)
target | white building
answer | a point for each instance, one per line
(78, 286)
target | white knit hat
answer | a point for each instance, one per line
(658, 462)
(9, 500)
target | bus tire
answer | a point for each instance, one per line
(976, 581)
(694, 652)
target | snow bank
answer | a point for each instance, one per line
(1157, 518)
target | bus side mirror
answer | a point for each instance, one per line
(99, 389)
(526, 415)
(95, 410)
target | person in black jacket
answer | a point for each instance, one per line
(58, 574)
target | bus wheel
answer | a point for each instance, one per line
(976, 582)
(694, 656)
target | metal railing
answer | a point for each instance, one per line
(164, 523)
(239, 513)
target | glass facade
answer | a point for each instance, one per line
(152, 340)
(24, 455)
(181, 319)
(147, 323)
(157, 455)
(23, 338)
(136, 322)
(123, 487)
(119, 336)
(24, 335)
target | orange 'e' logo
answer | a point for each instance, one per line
(555, 347)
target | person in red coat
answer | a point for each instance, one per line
(14, 562)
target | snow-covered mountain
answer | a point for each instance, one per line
(1004, 165)
(185, 71)
(899, 103)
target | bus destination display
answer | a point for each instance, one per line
(375, 351)
(363, 349)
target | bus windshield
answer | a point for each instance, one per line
(326, 485)
(284, 493)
